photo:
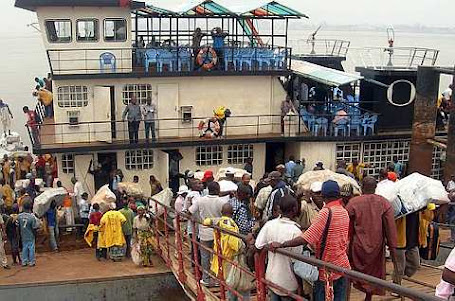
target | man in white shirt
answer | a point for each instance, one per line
(148, 114)
(193, 195)
(279, 269)
(227, 186)
(451, 184)
(78, 189)
(207, 207)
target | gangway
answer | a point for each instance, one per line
(179, 252)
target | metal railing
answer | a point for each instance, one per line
(175, 254)
(389, 57)
(200, 128)
(325, 47)
(168, 59)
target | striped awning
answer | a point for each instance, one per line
(273, 9)
(154, 11)
(205, 8)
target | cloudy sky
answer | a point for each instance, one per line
(345, 12)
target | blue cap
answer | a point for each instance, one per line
(330, 189)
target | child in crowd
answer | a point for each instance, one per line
(12, 232)
(94, 219)
(28, 224)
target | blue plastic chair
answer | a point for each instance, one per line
(341, 125)
(369, 122)
(184, 58)
(228, 57)
(151, 57)
(279, 59)
(246, 56)
(264, 56)
(107, 59)
(308, 118)
(166, 57)
(320, 123)
(355, 124)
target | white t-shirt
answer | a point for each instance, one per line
(450, 186)
(444, 289)
(279, 269)
(208, 207)
(193, 195)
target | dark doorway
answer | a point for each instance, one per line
(174, 169)
(274, 155)
(113, 124)
(106, 163)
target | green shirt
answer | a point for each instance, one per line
(127, 226)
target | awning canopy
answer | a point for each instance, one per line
(323, 75)
(210, 8)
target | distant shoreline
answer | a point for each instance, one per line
(377, 28)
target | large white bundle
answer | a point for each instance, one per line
(306, 179)
(103, 197)
(238, 173)
(389, 191)
(164, 197)
(416, 191)
(131, 189)
(43, 201)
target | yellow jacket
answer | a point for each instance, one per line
(110, 233)
(230, 245)
(7, 191)
(90, 233)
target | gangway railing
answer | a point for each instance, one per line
(188, 270)
(320, 47)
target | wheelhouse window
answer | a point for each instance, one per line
(115, 30)
(72, 96)
(68, 163)
(58, 31)
(209, 155)
(139, 159)
(141, 91)
(87, 30)
(238, 153)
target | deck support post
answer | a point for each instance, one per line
(424, 123)
(449, 166)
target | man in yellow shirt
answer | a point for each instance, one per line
(356, 169)
(8, 195)
(111, 234)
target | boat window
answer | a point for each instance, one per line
(209, 155)
(87, 30)
(68, 163)
(58, 31)
(115, 30)
(72, 96)
(238, 153)
(142, 92)
(139, 159)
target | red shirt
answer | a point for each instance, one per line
(336, 246)
(95, 218)
(31, 120)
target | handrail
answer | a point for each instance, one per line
(260, 262)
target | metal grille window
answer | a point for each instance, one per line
(141, 91)
(72, 96)
(381, 153)
(87, 30)
(437, 170)
(209, 155)
(139, 159)
(68, 163)
(238, 153)
(348, 152)
(58, 31)
(115, 30)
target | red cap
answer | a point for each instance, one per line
(392, 176)
(207, 175)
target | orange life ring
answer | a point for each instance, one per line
(209, 128)
(203, 58)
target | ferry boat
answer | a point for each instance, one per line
(101, 53)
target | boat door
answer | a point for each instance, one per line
(274, 155)
(168, 101)
(101, 129)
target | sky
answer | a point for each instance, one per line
(432, 13)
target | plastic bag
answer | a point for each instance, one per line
(131, 189)
(103, 197)
(238, 279)
(305, 270)
(389, 191)
(43, 201)
(136, 253)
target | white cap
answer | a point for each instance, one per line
(183, 189)
(230, 171)
(316, 187)
(226, 186)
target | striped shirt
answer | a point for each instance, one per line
(336, 246)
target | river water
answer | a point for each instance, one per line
(23, 58)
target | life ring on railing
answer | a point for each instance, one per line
(209, 128)
(207, 58)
